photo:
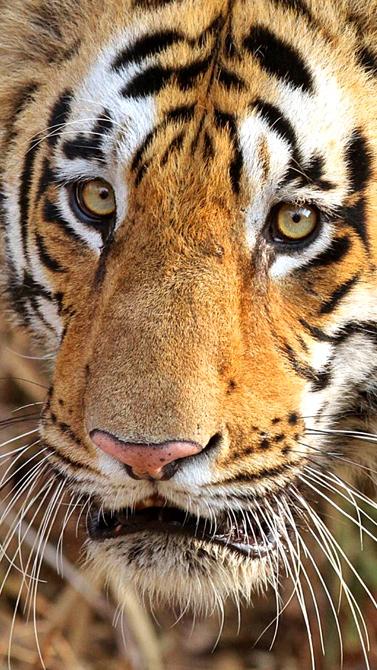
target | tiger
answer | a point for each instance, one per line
(188, 197)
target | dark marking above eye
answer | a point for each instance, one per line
(312, 174)
(278, 58)
(276, 420)
(59, 116)
(276, 120)
(338, 295)
(89, 145)
(148, 45)
(358, 159)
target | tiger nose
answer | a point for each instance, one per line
(145, 460)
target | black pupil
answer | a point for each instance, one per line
(296, 217)
(104, 193)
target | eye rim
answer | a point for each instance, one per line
(281, 241)
(81, 211)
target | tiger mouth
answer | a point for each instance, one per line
(154, 515)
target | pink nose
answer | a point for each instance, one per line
(146, 461)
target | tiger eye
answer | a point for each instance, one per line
(96, 198)
(294, 223)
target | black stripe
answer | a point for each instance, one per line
(90, 146)
(355, 216)
(83, 147)
(156, 78)
(226, 121)
(24, 195)
(142, 171)
(230, 48)
(338, 248)
(317, 333)
(59, 116)
(53, 215)
(359, 161)
(188, 75)
(149, 82)
(33, 289)
(276, 120)
(367, 328)
(278, 58)
(24, 97)
(33, 304)
(213, 28)
(208, 148)
(197, 135)
(144, 147)
(45, 257)
(175, 115)
(303, 369)
(48, 176)
(148, 45)
(338, 295)
(174, 145)
(181, 113)
(323, 379)
(314, 169)
(230, 80)
(368, 60)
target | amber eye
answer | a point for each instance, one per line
(294, 223)
(95, 199)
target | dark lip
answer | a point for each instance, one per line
(253, 542)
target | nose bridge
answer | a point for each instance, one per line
(158, 367)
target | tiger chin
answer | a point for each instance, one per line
(188, 204)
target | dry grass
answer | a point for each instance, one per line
(75, 620)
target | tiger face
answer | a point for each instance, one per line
(188, 196)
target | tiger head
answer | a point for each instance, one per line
(188, 196)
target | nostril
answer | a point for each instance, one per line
(214, 442)
(147, 460)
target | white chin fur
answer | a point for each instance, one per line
(182, 573)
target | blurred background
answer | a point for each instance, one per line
(74, 624)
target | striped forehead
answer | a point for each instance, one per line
(291, 138)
